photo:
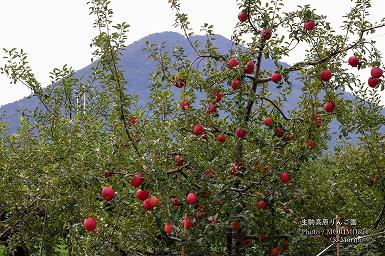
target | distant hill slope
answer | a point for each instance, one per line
(137, 66)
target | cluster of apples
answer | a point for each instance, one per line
(375, 73)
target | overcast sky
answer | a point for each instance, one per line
(55, 32)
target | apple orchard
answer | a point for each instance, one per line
(216, 162)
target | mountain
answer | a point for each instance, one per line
(137, 66)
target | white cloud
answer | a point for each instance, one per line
(55, 33)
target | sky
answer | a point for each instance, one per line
(54, 32)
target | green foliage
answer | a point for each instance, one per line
(54, 168)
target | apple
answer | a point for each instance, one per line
(175, 202)
(137, 180)
(236, 226)
(187, 223)
(353, 61)
(372, 82)
(326, 75)
(89, 224)
(310, 144)
(247, 243)
(309, 25)
(249, 67)
(108, 173)
(141, 194)
(263, 238)
(221, 138)
(212, 108)
(285, 177)
(180, 82)
(285, 208)
(108, 193)
(179, 160)
(235, 84)
(329, 106)
(240, 133)
(261, 204)
(155, 201)
(198, 129)
(147, 204)
(276, 77)
(317, 119)
(168, 228)
(275, 251)
(133, 120)
(185, 104)
(265, 34)
(232, 63)
(243, 16)
(279, 132)
(218, 96)
(376, 72)
(268, 121)
(192, 198)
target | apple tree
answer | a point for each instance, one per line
(214, 163)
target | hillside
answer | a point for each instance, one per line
(137, 66)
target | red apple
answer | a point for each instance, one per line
(317, 119)
(108, 193)
(137, 180)
(247, 243)
(221, 138)
(372, 82)
(309, 25)
(147, 204)
(310, 144)
(168, 228)
(268, 121)
(232, 63)
(240, 133)
(279, 132)
(192, 198)
(108, 174)
(133, 120)
(236, 226)
(285, 177)
(376, 72)
(155, 201)
(275, 251)
(180, 82)
(285, 208)
(141, 194)
(261, 204)
(249, 67)
(212, 108)
(218, 96)
(243, 16)
(179, 160)
(198, 129)
(89, 224)
(326, 75)
(175, 202)
(187, 223)
(353, 61)
(235, 84)
(265, 34)
(276, 77)
(329, 106)
(184, 105)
